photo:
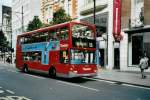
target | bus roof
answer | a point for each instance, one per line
(53, 26)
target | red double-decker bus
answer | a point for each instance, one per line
(66, 50)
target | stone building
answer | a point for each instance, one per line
(48, 7)
(135, 25)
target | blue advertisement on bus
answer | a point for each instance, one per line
(44, 47)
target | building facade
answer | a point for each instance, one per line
(6, 3)
(6, 23)
(109, 49)
(23, 11)
(48, 7)
(5, 19)
(136, 30)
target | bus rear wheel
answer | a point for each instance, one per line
(25, 69)
(52, 72)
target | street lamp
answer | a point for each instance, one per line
(94, 9)
(22, 23)
(22, 18)
(68, 6)
(97, 42)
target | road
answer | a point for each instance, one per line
(15, 85)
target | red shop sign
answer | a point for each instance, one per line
(117, 19)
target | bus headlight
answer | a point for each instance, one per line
(75, 71)
(95, 71)
(71, 69)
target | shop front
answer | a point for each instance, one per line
(138, 42)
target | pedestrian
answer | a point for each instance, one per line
(8, 60)
(143, 65)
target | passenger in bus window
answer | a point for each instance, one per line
(27, 57)
(36, 56)
(39, 58)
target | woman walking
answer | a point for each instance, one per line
(143, 65)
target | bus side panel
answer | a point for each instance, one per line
(54, 61)
(19, 59)
(62, 68)
(86, 69)
(53, 58)
(34, 65)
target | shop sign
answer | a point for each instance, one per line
(117, 20)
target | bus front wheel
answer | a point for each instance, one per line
(52, 72)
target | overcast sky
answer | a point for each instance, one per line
(5, 2)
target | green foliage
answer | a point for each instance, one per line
(3, 40)
(60, 17)
(45, 25)
(34, 24)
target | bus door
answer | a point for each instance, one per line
(63, 65)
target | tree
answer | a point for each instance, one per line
(60, 17)
(34, 24)
(3, 39)
(3, 42)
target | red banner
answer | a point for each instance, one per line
(117, 20)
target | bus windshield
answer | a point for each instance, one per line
(83, 36)
(82, 57)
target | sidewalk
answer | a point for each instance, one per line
(7, 64)
(122, 77)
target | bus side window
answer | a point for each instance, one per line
(21, 40)
(44, 37)
(27, 39)
(36, 38)
(64, 56)
(64, 33)
(53, 35)
(32, 56)
(37, 56)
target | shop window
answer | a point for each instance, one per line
(137, 49)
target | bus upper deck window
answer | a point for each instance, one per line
(21, 41)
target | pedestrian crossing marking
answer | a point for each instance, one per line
(14, 98)
(11, 92)
(1, 91)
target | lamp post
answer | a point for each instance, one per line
(22, 18)
(97, 42)
(68, 6)
(94, 10)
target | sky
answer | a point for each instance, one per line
(5, 2)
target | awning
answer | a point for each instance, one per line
(137, 30)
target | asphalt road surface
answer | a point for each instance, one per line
(15, 85)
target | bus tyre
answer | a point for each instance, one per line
(52, 72)
(25, 69)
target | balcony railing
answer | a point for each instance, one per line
(88, 7)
